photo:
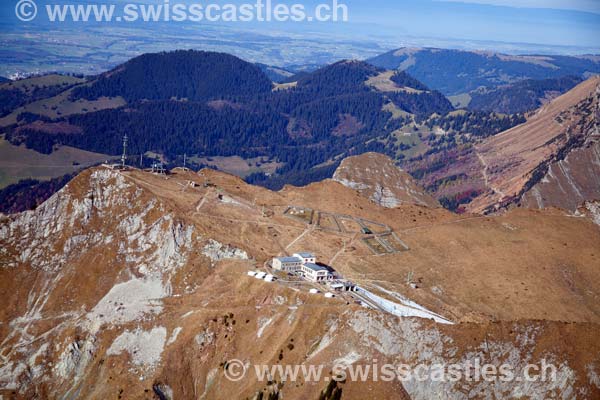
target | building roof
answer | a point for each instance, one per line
(289, 259)
(306, 255)
(315, 267)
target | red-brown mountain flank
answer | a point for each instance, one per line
(551, 160)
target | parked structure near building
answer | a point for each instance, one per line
(341, 285)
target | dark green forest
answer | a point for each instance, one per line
(214, 104)
(523, 96)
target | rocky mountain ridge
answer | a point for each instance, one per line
(376, 177)
(133, 284)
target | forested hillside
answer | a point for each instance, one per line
(216, 105)
(522, 96)
(10, 99)
(455, 71)
(422, 104)
(190, 75)
(29, 193)
(14, 94)
(229, 109)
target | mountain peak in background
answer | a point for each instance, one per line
(183, 74)
(232, 117)
(411, 224)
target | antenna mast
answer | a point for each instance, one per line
(124, 156)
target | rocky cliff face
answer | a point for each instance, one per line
(550, 161)
(568, 182)
(590, 209)
(376, 177)
(97, 256)
(130, 285)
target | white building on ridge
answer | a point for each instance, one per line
(307, 258)
(303, 264)
(287, 264)
(315, 273)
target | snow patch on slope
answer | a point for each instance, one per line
(174, 335)
(263, 323)
(407, 308)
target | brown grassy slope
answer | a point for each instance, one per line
(510, 158)
(570, 182)
(523, 265)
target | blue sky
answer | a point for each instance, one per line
(575, 5)
(573, 23)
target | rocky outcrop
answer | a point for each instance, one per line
(568, 182)
(217, 251)
(590, 209)
(376, 177)
(100, 227)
